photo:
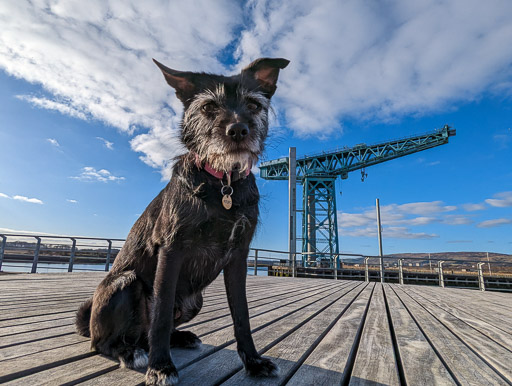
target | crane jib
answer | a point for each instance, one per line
(318, 173)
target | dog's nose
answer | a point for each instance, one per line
(237, 131)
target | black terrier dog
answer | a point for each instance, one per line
(201, 223)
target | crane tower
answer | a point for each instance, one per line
(318, 173)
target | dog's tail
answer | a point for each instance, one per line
(83, 317)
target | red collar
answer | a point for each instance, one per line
(216, 173)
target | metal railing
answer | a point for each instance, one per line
(38, 253)
(48, 252)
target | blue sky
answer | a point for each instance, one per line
(88, 126)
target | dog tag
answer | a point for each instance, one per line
(227, 202)
(226, 192)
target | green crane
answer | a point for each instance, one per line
(318, 173)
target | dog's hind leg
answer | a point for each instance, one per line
(185, 310)
(119, 320)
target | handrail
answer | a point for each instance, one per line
(36, 253)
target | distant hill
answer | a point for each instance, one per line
(495, 258)
(466, 259)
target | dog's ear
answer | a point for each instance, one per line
(266, 72)
(181, 81)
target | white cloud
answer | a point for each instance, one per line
(473, 207)
(349, 59)
(494, 223)
(411, 214)
(456, 219)
(26, 199)
(22, 198)
(65, 108)
(91, 174)
(501, 200)
(383, 60)
(109, 145)
(388, 232)
(94, 59)
(420, 208)
(72, 201)
(398, 219)
(53, 142)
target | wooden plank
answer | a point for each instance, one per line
(464, 366)
(253, 299)
(471, 313)
(325, 365)
(19, 339)
(421, 365)
(20, 309)
(32, 363)
(493, 353)
(223, 317)
(36, 326)
(218, 356)
(68, 373)
(293, 349)
(375, 360)
(66, 306)
(473, 320)
(501, 311)
(6, 325)
(7, 318)
(40, 346)
(120, 376)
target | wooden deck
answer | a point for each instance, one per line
(319, 332)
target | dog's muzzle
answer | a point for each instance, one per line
(237, 131)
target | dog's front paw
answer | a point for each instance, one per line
(163, 376)
(184, 339)
(261, 367)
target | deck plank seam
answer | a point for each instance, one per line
(502, 376)
(254, 306)
(351, 359)
(230, 342)
(394, 341)
(469, 325)
(315, 344)
(288, 333)
(47, 366)
(439, 355)
(252, 316)
(91, 376)
(37, 340)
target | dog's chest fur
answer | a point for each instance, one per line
(192, 219)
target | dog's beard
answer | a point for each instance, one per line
(241, 161)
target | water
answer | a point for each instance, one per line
(59, 268)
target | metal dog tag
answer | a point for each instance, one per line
(226, 192)
(227, 202)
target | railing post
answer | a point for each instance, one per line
(379, 234)
(441, 276)
(2, 249)
(255, 262)
(107, 263)
(72, 256)
(366, 273)
(481, 282)
(36, 255)
(336, 266)
(294, 265)
(400, 272)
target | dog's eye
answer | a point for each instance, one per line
(209, 107)
(253, 106)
